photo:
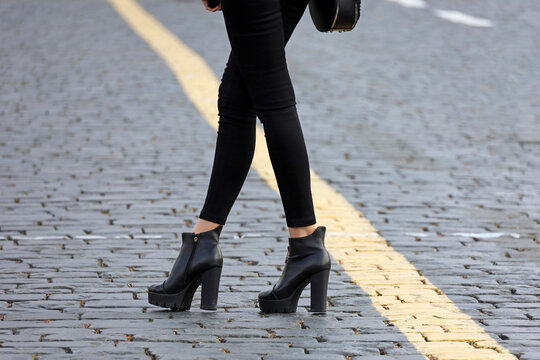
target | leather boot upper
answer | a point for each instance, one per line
(198, 253)
(306, 255)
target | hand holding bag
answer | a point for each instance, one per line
(334, 15)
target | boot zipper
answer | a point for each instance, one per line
(191, 255)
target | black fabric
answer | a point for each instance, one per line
(256, 83)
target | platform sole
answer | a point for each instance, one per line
(319, 286)
(183, 299)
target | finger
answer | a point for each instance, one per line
(205, 3)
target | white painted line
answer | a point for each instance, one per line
(327, 234)
(86, 237)
(351, 234)
(247, 235)
(40, 237)
(144, 236)
(417, 234)
(486, 235)
(90, 237)
(462, 18)
(483, 235)
(418, 4)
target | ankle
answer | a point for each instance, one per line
(295, 232)
(204, 225)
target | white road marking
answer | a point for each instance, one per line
(462, 18)
(90, 237)
(248, 235)
(450, 15)
(37, 238)
(417, 234)
(327, 234)
(483, 235)
(418, 4)
(145, 236)
(486, 235)
(351, 234)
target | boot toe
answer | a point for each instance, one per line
(157, 288)
(267, 294)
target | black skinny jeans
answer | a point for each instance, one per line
(256, 83)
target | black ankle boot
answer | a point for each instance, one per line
(307, 261)
(200, 261)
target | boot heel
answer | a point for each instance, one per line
(210, 288)
(319, 288)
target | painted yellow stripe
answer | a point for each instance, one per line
(428, 318)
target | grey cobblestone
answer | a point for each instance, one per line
(430, 133)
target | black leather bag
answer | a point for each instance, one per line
(213, 3)
(334, 15)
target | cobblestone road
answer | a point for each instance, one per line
(427, 126)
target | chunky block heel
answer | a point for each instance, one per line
(307, 261)
(209, 288)
(319, 288)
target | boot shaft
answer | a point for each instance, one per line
(309, 245)
(199, 251)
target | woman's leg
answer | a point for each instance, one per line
(235, 146)
(276, 109)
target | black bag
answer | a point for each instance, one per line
(334, 15)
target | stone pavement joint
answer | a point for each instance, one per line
(104, 160)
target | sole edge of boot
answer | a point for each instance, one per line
(285, 305)
(178, 301)
(318, 296)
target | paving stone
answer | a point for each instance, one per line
(430, 133)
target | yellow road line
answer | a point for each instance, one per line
(428, 318)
